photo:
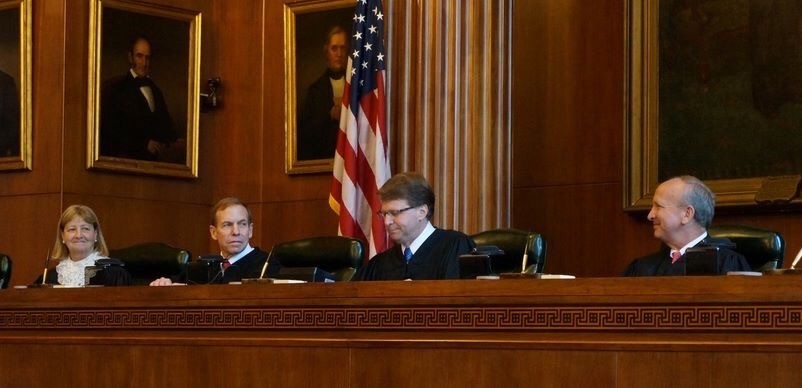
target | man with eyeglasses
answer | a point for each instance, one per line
(682, 210)
(232, 227)
(421, 251)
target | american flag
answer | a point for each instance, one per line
(361, 164)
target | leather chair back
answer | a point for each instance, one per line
(338, 255)
(148, 261)
(5, 270)
(513, 242)
(763, 249)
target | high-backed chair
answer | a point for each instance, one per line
(763, 249)
(338, 255)
(513, 242)
(148, 261)
(5, 270)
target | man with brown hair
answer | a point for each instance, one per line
(231, 225)
(422, 252)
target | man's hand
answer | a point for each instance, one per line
(165, 282)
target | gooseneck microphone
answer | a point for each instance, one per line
(44, 274)
(526, 253)
(796, 260)
(264, 267)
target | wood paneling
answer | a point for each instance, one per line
(567, 136)
(461, 367)
(664, 332)
(449, 105)
(512, 109)
(567, 94)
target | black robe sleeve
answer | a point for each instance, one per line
(435, 259)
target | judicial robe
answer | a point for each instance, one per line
(249, 266)
(659, 263)
(110, 276)
(435, 259)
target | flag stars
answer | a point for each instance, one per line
(372, 29)
(358, 35)
(380, 56)
(356, 53)
(365, 65)
(375, 10)
(368, 46)
(361, 18)
(380, 16)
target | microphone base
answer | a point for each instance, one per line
(519, 275)
(39, 285)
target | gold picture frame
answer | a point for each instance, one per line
(306, 30)
(642, 119)
(174, 36)
(15, 85)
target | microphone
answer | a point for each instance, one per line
(47, 258)
(526, 253)
(796, 260)
(264, 267)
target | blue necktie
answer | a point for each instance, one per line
(407, 254)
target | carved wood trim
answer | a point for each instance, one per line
(718, 318)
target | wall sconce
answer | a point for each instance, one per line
(211, 99)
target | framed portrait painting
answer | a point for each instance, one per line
(144, 65)
(714, 90)
(316, 39)
(15, 85)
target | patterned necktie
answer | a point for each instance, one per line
(675, 255)
(225, 264)
(407, 254)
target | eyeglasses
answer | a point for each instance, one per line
(393, 213)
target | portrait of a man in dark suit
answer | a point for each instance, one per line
(9, 116)
(319, 116)
(134, 120)
(10, 82)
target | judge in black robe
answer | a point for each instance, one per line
(659, 263)
(231, 225)
(113, 275)
(82, 254)
(248, 266)
(407, 206)
(435, 259)
(682, 210)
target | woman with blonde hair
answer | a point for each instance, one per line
(80, 244)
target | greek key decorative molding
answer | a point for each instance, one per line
(784, 318)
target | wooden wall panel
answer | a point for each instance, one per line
(449, 97)
(512, 109)
(567, 137)
(396, 367)
(567, 110)
(28, 199)
(167, 365)
(586, 231)
(28, 230)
